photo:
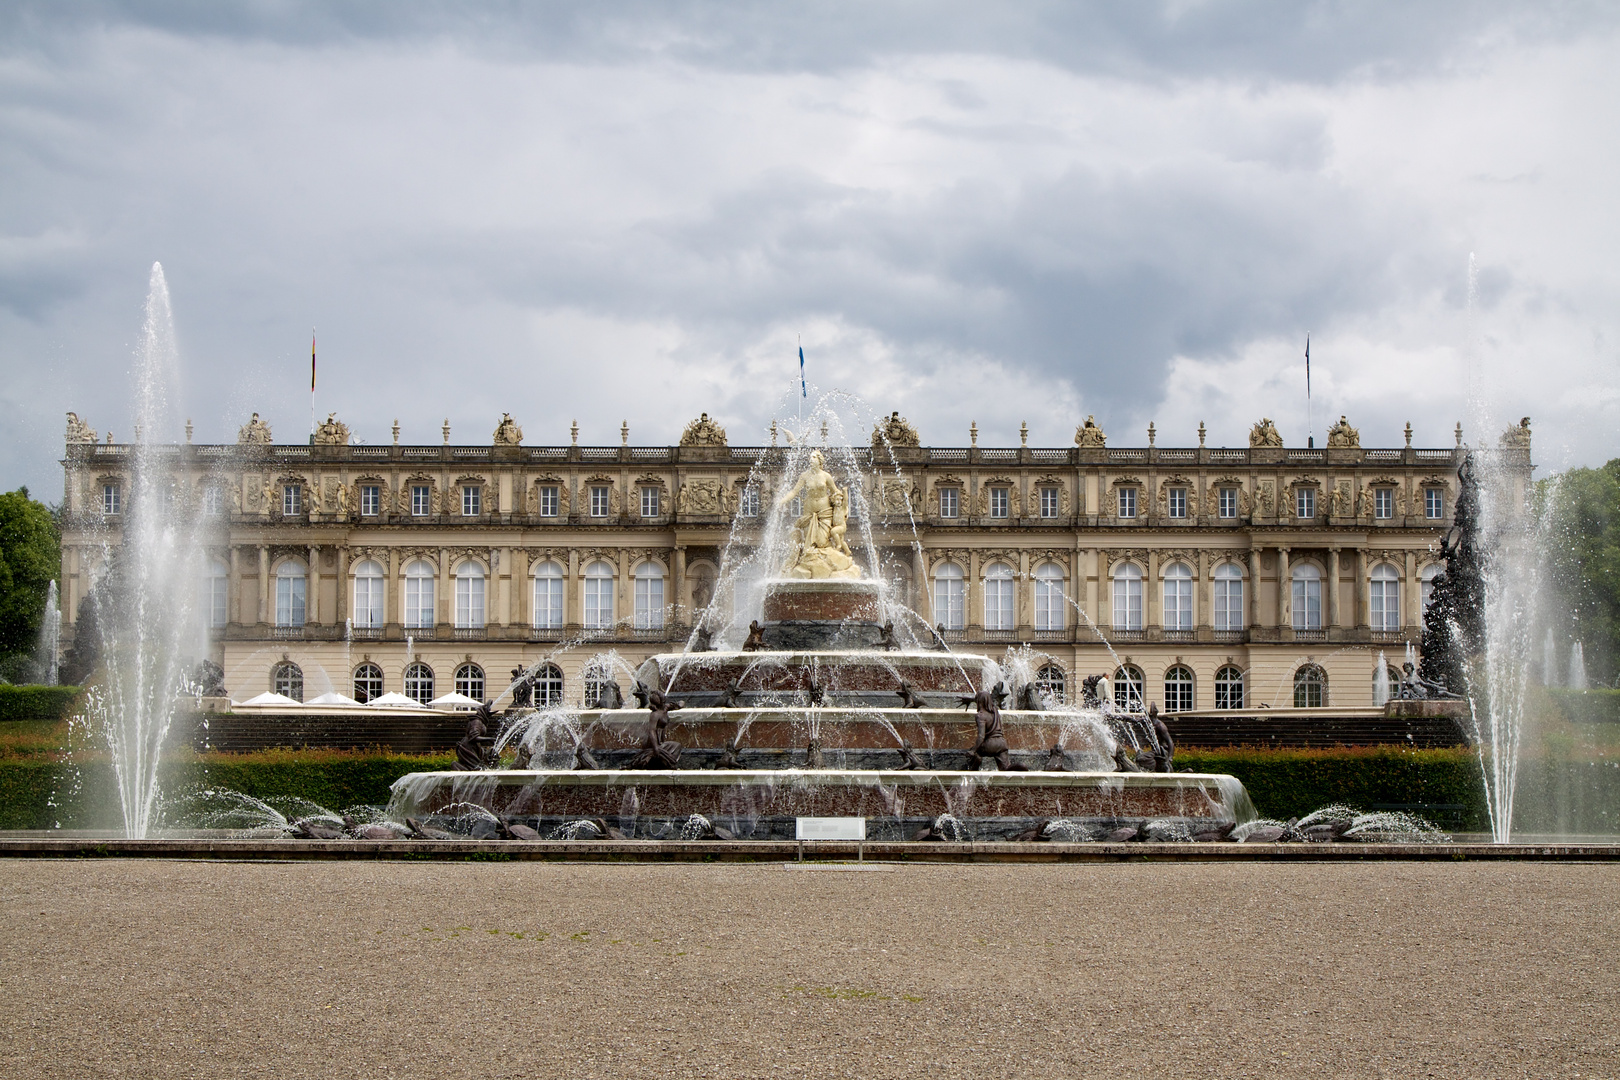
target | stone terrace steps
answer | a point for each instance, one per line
(405, 734)
(1311, 729)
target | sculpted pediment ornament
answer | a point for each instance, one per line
(332, 432)
(78, 431)
(1343, 435)
(507, 433)
(1516, 437)
(1264, 434)
(703, 432)
(255, 432)
(1090, 435)
(895, 431)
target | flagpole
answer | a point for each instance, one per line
(1310, 423)
(803, 393)
(312, 386)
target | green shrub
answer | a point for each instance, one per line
(36, 702)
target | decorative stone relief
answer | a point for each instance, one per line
(78, 431)
(332, 432)
(1343, 435)
(1265, 434)
(699, 497)
(1516, 437)
(255, 432)
(895, 431)
(703, 432)
(1090, 435)
(507, 433)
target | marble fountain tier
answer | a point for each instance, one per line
(822, 714)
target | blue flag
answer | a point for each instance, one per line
(802, 391)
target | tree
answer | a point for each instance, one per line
(30, 558)
(1584, 526)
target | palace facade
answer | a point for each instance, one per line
(1199, 577)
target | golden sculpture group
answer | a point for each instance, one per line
(819, 547)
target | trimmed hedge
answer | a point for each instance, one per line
(1443, 785)
(36, 702)
(1588, 706)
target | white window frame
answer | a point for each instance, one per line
(371, 676)
(1384, 597)
(1050, 500)
(112, 499)
(291, 582)
(950, 504)
(1306, 591)
(217, 586)
(998, 597)
(1000, 501)
(419, 682)
(421, 500)
(1305, 503)
(1227, 501)
(649, 596)
(1129, 688)
(469, 596)
(1383, 503)
(1230, 693)
(472, 500)
(370, 500)
(1127, 597)
(549, 585)
(1180, 689)
(1178, 597)
(600, 500)
(419, 599)
(213, 500)
(1434, 503)
(748, 505)
(1126, 502)
(470, 681)
(1176, 502)
(370, 589)
(1229, 613)
(548, 686)
(949, 587)
(292, 500)
(548, 500)
(599, 587)
(1051, 604)
(649, 501)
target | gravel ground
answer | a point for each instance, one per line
(135, 968)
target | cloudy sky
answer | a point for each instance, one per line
(971, 212)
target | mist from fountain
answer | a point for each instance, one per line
(1381, 681)
(47, 653)
(1577, 667)
(146, 607)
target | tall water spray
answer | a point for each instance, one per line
(48, 651)
(146, 612)
(1577, 667)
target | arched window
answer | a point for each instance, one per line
(1050, 606)
(1392, 682)
(367, 682)
(1310, 687)
(1178, 597)
(948, 580)
(548, 686)
(287, 679)
(419, 594)
(1051, 682)
(470, 681)
(1307, 597)
(998, 597)
(368, 595)
(1229, 687)
(1178, 689)
(649, 596)
(290, 594)
(1384, 601)
(1128, 686)
(216, 592)
(469, 596)
(598, 596)
(548, 596)
(1229, 597)
(419, 682)
(1127, 597)
(1430, 572)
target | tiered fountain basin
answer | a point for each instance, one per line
(762, 804)
(865, 677)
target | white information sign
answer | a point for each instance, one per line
(829, 828)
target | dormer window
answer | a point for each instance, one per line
(949, 505)
(999, 502)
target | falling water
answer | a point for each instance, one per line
(1577, 667)
(145, 613)
(1549, 659)
(50, 639)
(1381, 681)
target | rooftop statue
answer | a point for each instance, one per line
(819, 549)
(1516, 437)
(78, 431)
(1265, 433)
(507, 433)
(703, 432)
(1342, 434)
(1089, 434)
(332, 432)
(255, 431)
(895, 431)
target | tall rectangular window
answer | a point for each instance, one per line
(649, 502)
(291, 500)
(598, 602)
(599, 501)
(998, 598)
(290, 600)
(1178, 611)
(1177, 502)
(649, 602)
(470, 601)
(948, 589)
(421, 500)
(1307, 603)
(1050, 607)
(1383, 503)
(111, 498)
(749, 505)
(1128, 602)
(1127, 502)
(1229, 502)
(370, 500)
(368, 601)
(213, 500)
(472, 500)
(418, 600)
(548, 501)
(548, 602)
(998, 502)
(1228, 601)
(1433, 504)
(1049, 502)
(948, 507)
(1305, 503)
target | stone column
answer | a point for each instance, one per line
(1024, 604)
(1333, 584)
(1203, 602)
(1411, 594)
(574, 591)
(1285, 591)
(444, 604)
(522, 588)
(393, 603)
(312, 602)
(922, 597)
(1358, 603)
(1102, 595)
(264, 584)
(497, 598)
(1152, 592)
(973, 600)
(1253, 586)
(677, 571)
(233, 613)
(341, 607)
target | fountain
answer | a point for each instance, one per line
(818, 708)
(145, 605)
(1577, 667)
(48, 652)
